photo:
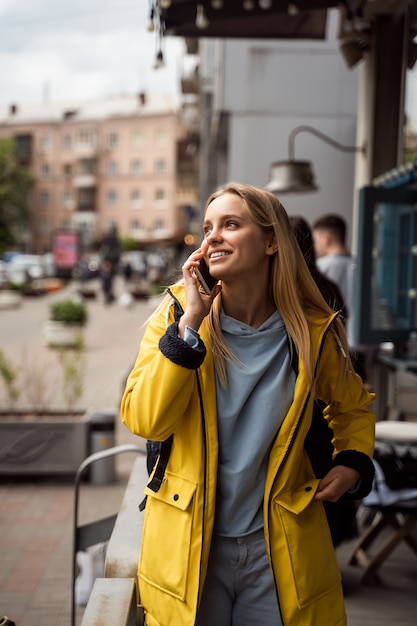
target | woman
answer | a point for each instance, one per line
(235, 530)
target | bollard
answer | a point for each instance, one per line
(102, 436)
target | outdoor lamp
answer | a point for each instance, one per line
(297, 176)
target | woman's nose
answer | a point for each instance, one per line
(213, 235)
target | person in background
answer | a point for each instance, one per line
(235, 530)
(336, 263)
(341, 515)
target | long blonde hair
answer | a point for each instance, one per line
(292, 287)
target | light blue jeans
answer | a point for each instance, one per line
(239, 589)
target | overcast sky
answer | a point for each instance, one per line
(76, 49)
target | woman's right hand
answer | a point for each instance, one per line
(198, 303)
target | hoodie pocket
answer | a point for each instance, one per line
(314, 566)
(165, 554)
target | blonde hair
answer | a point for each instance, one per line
(292, 287)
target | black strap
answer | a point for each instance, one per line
(156, 481)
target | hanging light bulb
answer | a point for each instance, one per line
(150, 25)
(165, 4)
(217, 4)
(248, 5)
(293, 9)
(159, 60)
(265, 4)
(201, 20)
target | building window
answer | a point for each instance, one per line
(160, 197)
(161, 137)
(161, 166)
(137, 168)
(136, 198)
(135, 225)
(67, 172)
(45, 170)
(87, 166)
(159, 226)
(46, 143)
(44, 226)
(45, 198)
(86, 137)
(112, 168)
(137, 138)
(112, 140)
(68, 200)
(86, 198)
(67, 142)
(111, 196)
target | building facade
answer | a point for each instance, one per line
(116, 162)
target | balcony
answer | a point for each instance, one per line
(84, 180)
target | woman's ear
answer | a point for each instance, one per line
(272, 246)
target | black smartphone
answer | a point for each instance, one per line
(206, 279)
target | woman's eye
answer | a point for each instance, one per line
(231, 224)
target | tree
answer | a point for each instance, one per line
(15, 184)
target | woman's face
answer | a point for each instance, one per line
(236, 247)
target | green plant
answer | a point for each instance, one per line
(69, 312)
(8, 373)
(73, 370)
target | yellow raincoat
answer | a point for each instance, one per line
(161, 398)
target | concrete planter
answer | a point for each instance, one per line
(10, 299)
(56, 334)
(48, 443)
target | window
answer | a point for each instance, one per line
(137, 168)
(159, 226)
(111, 196)
(136, 198)
(161, 136)
(46, 143)
(44, 226)
(67, 172)
(137, 138)
(86, 198)
(87, 166)
(68, 200)
(112, 140)
(160, 197)
(67, 142)
(161, 166)
(86, 137)
(45, 198)
(135, 225)
(45, 170)
(112, 168)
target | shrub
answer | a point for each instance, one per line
(68, 311)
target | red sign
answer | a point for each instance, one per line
(65, 250)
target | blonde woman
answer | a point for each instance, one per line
(235, 531)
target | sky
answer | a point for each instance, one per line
(59, 50)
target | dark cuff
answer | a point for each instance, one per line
(179, 351)
(364, 465)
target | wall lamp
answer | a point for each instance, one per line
(297, 176)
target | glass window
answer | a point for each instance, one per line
(45, 170)
(44, 226)
(136, 198)
(112, 168)
(46, 143)
(112, 140)
(161, 136)
(67, 172)
(86, 137)
(45, 197)
(137, 138)
(112, 196)
(137, 168)
(67, 142)
(135, 225)
(160, 196)
(68, 200)
(161, 166)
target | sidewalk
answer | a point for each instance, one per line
(36, 517)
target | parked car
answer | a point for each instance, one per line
(24, 267)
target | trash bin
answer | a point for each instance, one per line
(102, 431)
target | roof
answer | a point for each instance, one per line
(90, 110)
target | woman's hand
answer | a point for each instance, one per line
(336, 482)
(198, 303)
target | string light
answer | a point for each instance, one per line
(248, 5)
(217, 4)
(201, 20)
(293, 9)
(265, 4)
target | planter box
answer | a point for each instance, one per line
(57, 334)
(10, 299)
(43, 444)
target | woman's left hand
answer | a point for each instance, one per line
(336, 482)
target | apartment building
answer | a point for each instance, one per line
(118, 161)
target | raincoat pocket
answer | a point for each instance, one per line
(165, 554)
(315, 570)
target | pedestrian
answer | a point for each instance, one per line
(341, 515)
(235, 531)
(106, 275)
(336, 263)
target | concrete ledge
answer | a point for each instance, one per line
(124, 546)
(112, 602)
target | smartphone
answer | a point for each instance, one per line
(206, 279)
